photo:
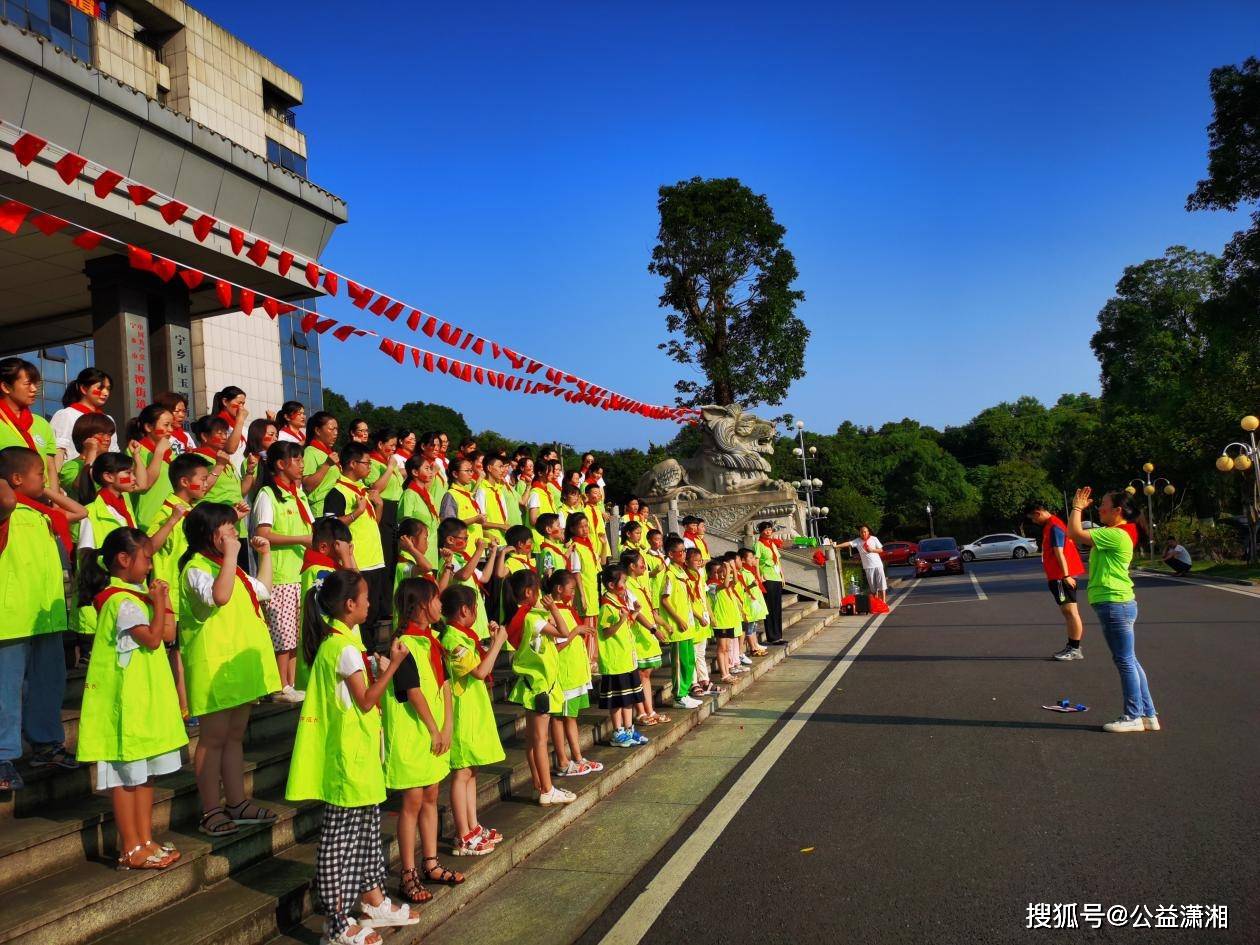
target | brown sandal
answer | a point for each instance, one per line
(412, 889)
(439, 874)
(153, 861)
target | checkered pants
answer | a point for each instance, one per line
(350, 862)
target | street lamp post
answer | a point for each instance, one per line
(1247, 458)
(931, 527)
(1149, 488)
(807, 485)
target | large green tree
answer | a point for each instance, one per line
(728, 288)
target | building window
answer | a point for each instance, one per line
(69, 25)
(289, 160)
(299, 364)
(58, 366)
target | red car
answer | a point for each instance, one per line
(938, 556)
(899, 552)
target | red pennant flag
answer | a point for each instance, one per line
(479, 375)
(164, 269)
(324, 324)
(399, 352)
(479, 346)
(106, 183)
(413, 320)
(224, 291)
(468, 339)
(258, 252)
(429, 326)
(443, 365)
(378, 307)
(70, 167)
(271, 307)
(428, 361)
(285, 308)
(466, 373)
(365, 296)
(87, 240)
(284, 263)
(344, 332)
(192, 278)
(388, 346)
(455, 334)
(553, 375)
(330, 282)
(534, 367)
(139, 193)
(27, 148)
(201, 229)
(247, 301)
(173, 211)
(394, 311)
(415, 356)
(353, 289)
(140, 258)
(309, 320)
(312, 274)
(237, 239)
(444, 332)
(12, 214)
(494, 349)
(48, 224)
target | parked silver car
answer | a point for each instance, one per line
(1004, 545)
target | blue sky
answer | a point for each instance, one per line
(962, 184)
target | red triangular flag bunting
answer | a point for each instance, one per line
(428, 361)
(312, 274)
(70, 166)
(480, 375)
(87, 240)
(271, 307)
(237, 238)
(284, 263)
(378, 307)
(247, 301)
(324, 324)
(173, 211)
(192, 278)
(48, 224)
(495, 349)
(455, 336)
(27, 148)
(479, 345)
(394, 311)
(139, 258)
(353, 289)
(164, 269)
(413, 320)
(106, 183)
(258, 252)
(443, 365)
(12, 213)
(365, 296)
(139, 193)
(309, 320)
(224, 291)
(344, 332)
(429, 326)
(415, 356)
(285, 308)
(444, 332)
(201, 229)
(330, 282)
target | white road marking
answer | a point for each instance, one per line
(976, 583)
(1207, 584)
(648, 906)
(948, 600)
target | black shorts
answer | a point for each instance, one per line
(1062, 591)
(724, 634)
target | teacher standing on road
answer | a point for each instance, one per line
(771, 569)
(1111, 596)
(868, 549)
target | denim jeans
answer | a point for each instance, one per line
(33, 709)
(1117, 626)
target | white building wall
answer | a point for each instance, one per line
(237, 349)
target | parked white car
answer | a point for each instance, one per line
(1002, 545)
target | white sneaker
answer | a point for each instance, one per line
(291, 695)
(687, 702)
(1150, 723)
(557, 795)
(745, 659)
(387, 915)
(1125, 724)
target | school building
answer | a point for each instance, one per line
(158, 92)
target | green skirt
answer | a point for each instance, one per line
(474, 734)
(574, 705)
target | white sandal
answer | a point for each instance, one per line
(387, 914)
(345, 938)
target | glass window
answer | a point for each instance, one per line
(59, 17)
(299, 364)
(57, 367)
(15, 12)
(290, 160)
(38, 8)
(80, 26)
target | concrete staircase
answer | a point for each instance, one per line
(57, 845)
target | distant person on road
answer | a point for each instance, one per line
(868, 549)
(1176, 556)
(1062, 564)
(1111, 596)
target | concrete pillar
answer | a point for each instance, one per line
(673, 526)
(140, 332)
(614, 531)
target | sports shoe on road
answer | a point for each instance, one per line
(621, 739)
(745, 659)
(290, 695)
(686, 702)
(638, 738)
(1070, 653)
(1125, 724)
(557, 795)
(1150, 723)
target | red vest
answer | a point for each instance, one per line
(1050, 561)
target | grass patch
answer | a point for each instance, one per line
(1233, 569)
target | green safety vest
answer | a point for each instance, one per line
(413, 505)
(725, 608)
(465, 509)
(365, 533)
(673, 586)
(575, 665)
(754, 601)
(226, 490)
(588, 579)
(31, 579)
(545, 505)
(499, 503)
(337, 749)
(312, 576)
(616, 650)
(646, 645)
(227, 654)
(768, 562)
(166, 558)
(482, 624)
(536, 663)
(394, 489)
(152, 498)
(312, 459)
(286, 519)
(129, 712)
(409, 762)
(475, 731)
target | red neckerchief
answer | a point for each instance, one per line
(57, 520)
(403, 454)
(587, 543)
(639, 516)
(418, 487)
(299, 435)
(441, 454)
(319, 445)
(118, 504)
(149, 445)
(774, 549)
(615, 600)
(516, 626)
(293, 493)
(99, 600)
(209, 452)
(376, 455)
(481, 650)
(227, 418)
(179, 433)
(596, 511)
(243, 578)
(363, 658)
(359, 493)
(526, 560)
(592, 480)
(317, 559)
(437, 655)
(20, 421)
(693, 586)
(498, 497)
(761, 585)
(554, 547)
(85, 408)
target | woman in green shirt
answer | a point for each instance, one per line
(1111, 596)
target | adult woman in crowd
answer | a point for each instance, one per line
(87, 393)
(229, 404)
(177, 404)
(291, 423)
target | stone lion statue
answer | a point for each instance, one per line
(731, 459)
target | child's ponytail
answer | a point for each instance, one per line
(321, 605)
(610, 576)
(515, 588)
(413, 597)
(96, 566)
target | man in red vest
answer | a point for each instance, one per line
(1062, 564)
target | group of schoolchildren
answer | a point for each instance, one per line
(374, 581)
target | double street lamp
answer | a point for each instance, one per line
(1149, 487)
(806, 485)
(1246, 457)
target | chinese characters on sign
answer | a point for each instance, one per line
(179, 359)
(1071, 915)
(90, 7)
(136, 355)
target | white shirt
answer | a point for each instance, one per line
(869, 552)
(201, 583)
(62, 424)
(86, 538)
(264, 512)
(1180, 554)
(349, 662)
(130, 615)
(288, 437)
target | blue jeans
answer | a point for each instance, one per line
(1117, 626)
(33, 710)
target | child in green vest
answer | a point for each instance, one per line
(620, 690)
(550, 552)
(475, 735)
(337, 760)
(755, 595)
(461, 567)
(225, 483)
(419, 720)
(149, 441)
(575, 675)
(360, 507)
(533, 632)
(460, 500)
(321, 466)
(725, 610)
(584, 564)
(413, 557)
(332, 549)
(417, 499)
(130, 722)
(228, 659)
(648, 635)
(678, 619)
(599, 525)
(702, 624)
(32, 661)
(114, 478)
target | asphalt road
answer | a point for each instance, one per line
(940, 799)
